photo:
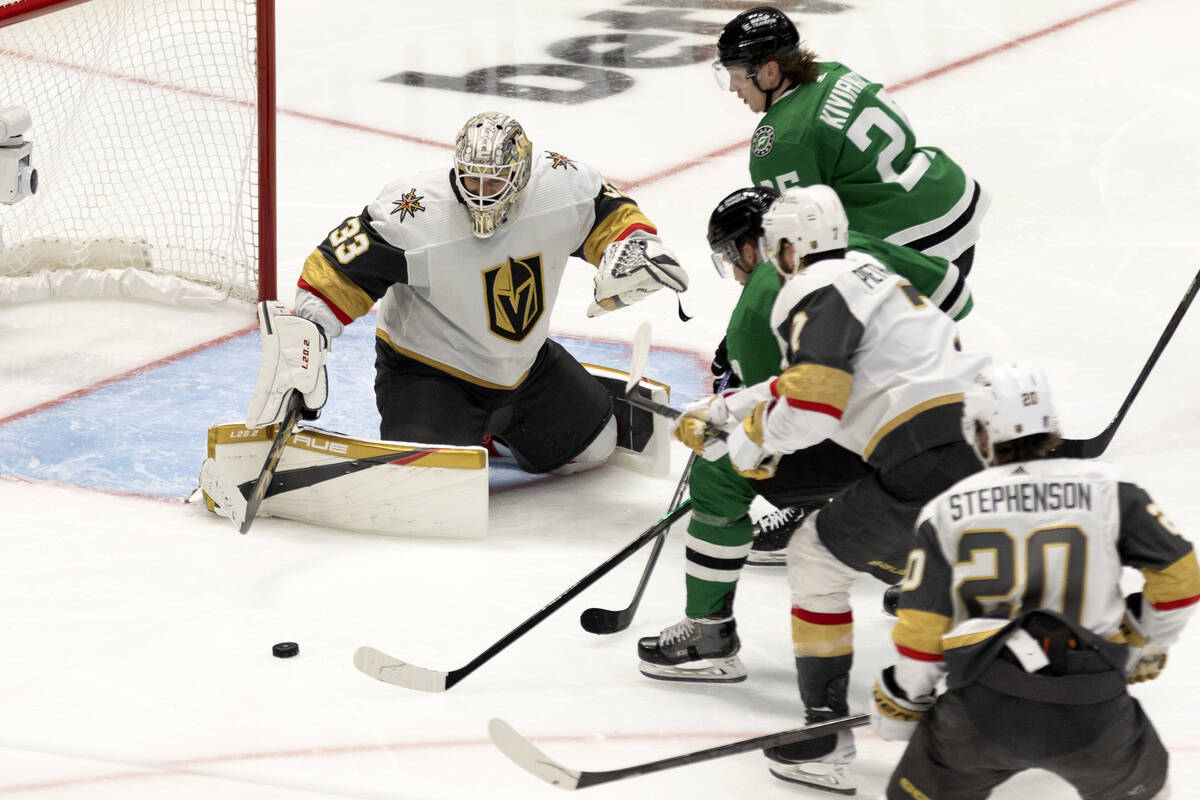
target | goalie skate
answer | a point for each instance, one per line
(695, 650)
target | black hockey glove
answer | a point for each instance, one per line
(720, 366)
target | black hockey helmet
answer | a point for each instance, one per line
(737, 216)
(755, 36)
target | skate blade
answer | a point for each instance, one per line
(837, 781)
(717, 670)
(767, 558)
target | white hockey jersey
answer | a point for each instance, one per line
(477, 309)
(868, 362)
(1052, 534)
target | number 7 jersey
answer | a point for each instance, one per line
(845, 132)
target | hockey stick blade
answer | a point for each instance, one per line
(637, 361)
(259, 491)
(381, 666)
(525, 755)
(1095, 446)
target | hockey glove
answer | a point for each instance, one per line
(1147, 660)
(721, 367)
(895, 715)
(294, 350)
(695, 427)
(748, 456)
(632, 269)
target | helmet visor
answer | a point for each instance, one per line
(729, 76)
(725, 259)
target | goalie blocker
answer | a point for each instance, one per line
(395, 488)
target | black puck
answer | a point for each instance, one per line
(285, 649)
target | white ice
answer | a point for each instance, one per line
(135, 636)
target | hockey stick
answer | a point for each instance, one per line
(662, 410)
(1095, 446)
(255, 498)
(525, 755)
(383, 667)
(603, 620)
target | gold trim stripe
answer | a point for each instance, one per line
(815, 383)
(334, 286)
(449, 370)
(821, 641)
(920, 630)
(897, 421)
(1178, 582)
(606, 231)
(353, 449)
(968, 639)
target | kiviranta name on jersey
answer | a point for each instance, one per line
(1027, 497)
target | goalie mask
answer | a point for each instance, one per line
(1009, 401)
(492, 162)
(810, 220)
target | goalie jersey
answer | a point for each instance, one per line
(1052, 534)
(868, 361)
(477, 309)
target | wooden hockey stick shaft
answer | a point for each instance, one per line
(524, 754)
(1095, 446)
(259, 491)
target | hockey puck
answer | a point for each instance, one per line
(285, 649)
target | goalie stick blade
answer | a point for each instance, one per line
(525, 755)
(382, 667)
(522, 753)
(641, 351)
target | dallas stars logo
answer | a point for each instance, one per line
(559, 160)
(409, 204)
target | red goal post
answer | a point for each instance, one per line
(153, 135)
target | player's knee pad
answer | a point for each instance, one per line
(596, 453)
(819, 581)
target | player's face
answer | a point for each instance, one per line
(483, 187)
(741, 85)
(748, 259)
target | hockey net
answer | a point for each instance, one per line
(153, 138)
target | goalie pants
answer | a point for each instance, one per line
(548, 419)
(951, 757)
(720, 532)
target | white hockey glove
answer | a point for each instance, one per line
(895, 715)
(749, 457)
(294, 350)
(633, 268)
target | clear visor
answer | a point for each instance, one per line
(726, 78)
(484, 185)
(725, 259)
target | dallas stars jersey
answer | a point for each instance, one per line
(1051, 534)
(478, 309)
(869, 363)
(845, 132)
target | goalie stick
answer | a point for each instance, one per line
(525, 755)
(259, 491)
(381, 666)
(1095, 446)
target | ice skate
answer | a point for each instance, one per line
(693, 650)
(772, 532)
(830, 772)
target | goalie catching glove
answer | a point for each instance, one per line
(632, 269)
(294, 350)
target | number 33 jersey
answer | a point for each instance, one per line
(477, 309)
(1050, 534)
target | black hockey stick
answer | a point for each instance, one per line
(255, 498)
(603, 620)
(383, 667)
(655, 407)
(523, 753)
(1095, 446)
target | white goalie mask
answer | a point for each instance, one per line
(809, 218)
(1011, 401)
(492, 162)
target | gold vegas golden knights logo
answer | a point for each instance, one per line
(514, 296)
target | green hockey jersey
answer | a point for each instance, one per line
(846, 132)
